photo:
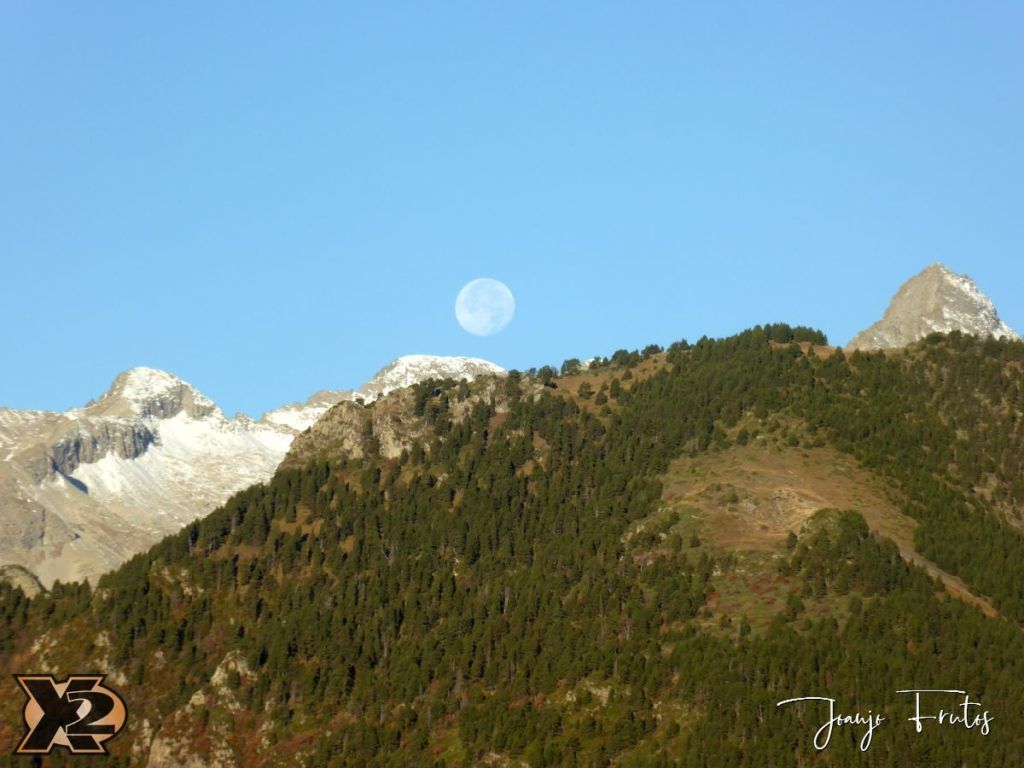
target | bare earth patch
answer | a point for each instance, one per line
(748, 499)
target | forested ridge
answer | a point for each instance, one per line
(478, 600)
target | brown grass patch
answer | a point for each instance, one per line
(748, 498)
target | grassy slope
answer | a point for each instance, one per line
(746, 499)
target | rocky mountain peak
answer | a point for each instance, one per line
(936, 300)
(141, 382)
(151, 392)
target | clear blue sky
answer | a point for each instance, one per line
(269, 199)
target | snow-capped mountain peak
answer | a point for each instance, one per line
(151, 392)
(410, 369)
(142, 383)
(936, 300)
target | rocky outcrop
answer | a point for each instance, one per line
(22, 578)
(386, 427)
(210, 712)
(128, 440)
(353, 430)
(936, 300)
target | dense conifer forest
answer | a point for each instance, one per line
(481, 600)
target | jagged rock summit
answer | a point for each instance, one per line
(936, 300)
(83, 490)
(150, 392)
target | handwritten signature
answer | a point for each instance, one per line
(964, 714)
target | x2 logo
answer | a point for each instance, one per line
(80, 713)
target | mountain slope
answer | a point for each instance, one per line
(82, 491)
(936, 300)
(536, 576)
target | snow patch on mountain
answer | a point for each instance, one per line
(195, 463)
(298, 417)
(410, 369)
(140, 386)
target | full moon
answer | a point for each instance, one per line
(485, 306)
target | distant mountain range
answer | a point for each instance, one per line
(81, 491)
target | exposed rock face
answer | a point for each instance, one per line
(936, 300)
(209, 712)
(386, 427)
(17, 576)
(125, 439)
(148, 392)
(352, 430)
